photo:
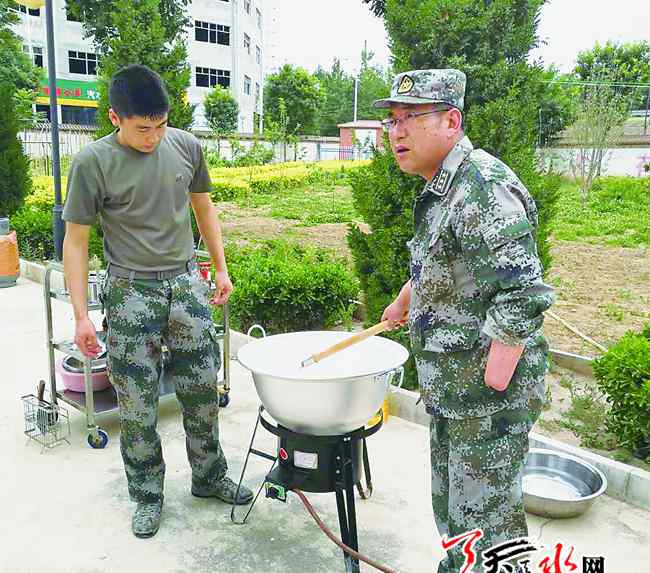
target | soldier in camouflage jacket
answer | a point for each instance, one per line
(474, 305)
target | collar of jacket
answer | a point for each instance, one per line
(441, 181)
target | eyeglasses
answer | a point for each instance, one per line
(393, 122)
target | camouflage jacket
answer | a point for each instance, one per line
(476, 276)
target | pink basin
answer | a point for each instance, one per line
(74, 381)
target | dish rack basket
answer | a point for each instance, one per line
(46, 423)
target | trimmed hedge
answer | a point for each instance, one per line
(230, 183)
(286, 287)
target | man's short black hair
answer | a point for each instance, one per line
(138, 90)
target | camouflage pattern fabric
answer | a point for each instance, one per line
(476, 471)
(476, 276)
(427, 86)
(142, 316)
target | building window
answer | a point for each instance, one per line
(36, 55)
(247, 85)
(258, 55)
(78, 115)
(205, 32)
(69, 16)
(247, 6)
(223, 35)
(210, 77)
(43, 112)
(211, 33)
(257, 92)
(31, 11)
(82, 63)
(247, 43)
(259, 18)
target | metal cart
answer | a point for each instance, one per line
(93, 403)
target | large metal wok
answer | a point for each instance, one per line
(332, 397)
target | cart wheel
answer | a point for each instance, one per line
(224, 400)
(99, 441)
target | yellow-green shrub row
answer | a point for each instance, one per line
(231, 182)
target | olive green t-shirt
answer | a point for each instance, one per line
(141, 199)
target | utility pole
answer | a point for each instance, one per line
(57, 211)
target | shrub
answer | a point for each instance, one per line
(286, 287)
(33, 226)
(15, 179)
(236, 182)
(383, 195)
(34, 231)
(623, 374)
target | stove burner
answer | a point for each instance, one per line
(318, 464)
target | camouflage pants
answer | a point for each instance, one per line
(476, 472)
(143, 315)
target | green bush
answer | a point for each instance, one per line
(34, 231)
(15, 179)
(286, 287)
(384, 196)
(33, 226)
(623, 374)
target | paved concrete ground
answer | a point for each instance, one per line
(67, 510)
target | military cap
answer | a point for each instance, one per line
(427, 86)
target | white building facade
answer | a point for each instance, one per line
(224, 43)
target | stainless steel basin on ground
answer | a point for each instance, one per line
(332, 397)
(559, 485)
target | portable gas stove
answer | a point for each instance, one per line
(317, 464)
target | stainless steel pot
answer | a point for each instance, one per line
(71, 364)
(332, 397)
(556, 484)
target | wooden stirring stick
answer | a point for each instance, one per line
(354, 339)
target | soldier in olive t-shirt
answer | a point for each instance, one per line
(139, 182)
(141, 199)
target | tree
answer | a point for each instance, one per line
(15, 66)
(280, 130)
(374, 84)
(221, 111)
(620, 63)
(129, 32)
(338, 89)
(377, 6)
(301, 94)
(18, 80)
(97, 18)
(600, 120)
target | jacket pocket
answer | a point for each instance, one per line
(449, 337)
(512, 250)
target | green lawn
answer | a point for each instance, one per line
(312, 205)
(617, 213)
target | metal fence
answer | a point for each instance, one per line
(37, 143)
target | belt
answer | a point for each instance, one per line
(122, 272)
